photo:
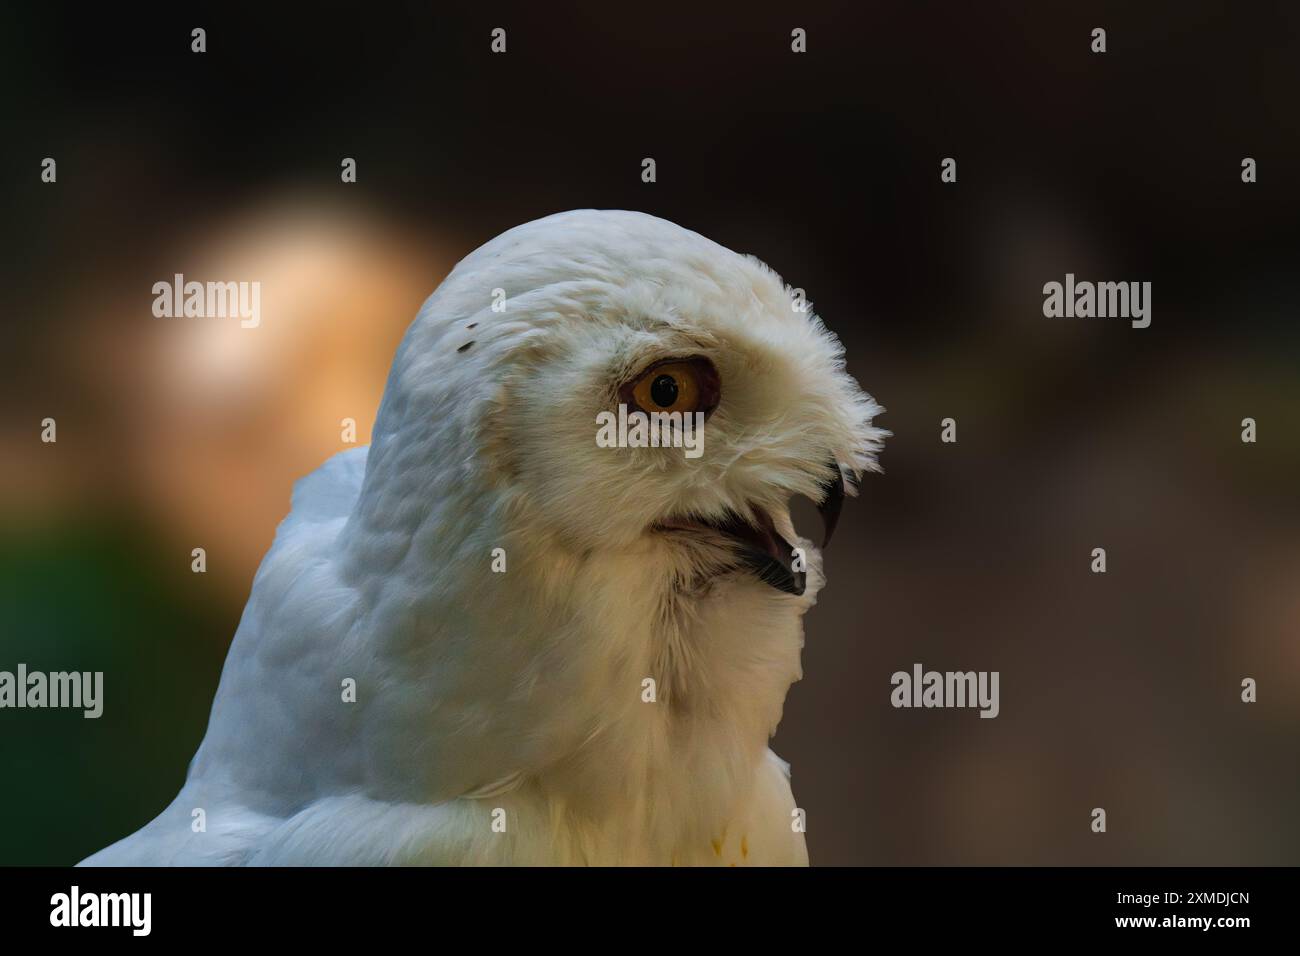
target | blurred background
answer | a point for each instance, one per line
(1119, 690)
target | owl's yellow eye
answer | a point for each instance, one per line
(675, 385)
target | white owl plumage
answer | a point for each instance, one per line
(502, 718)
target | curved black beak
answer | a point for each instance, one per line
(833, 500)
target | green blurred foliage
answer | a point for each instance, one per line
(90, 595)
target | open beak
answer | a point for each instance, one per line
(762, 549)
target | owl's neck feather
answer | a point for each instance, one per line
(540, 673)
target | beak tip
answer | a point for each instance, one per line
(831, 503)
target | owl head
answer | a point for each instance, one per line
(598, 384)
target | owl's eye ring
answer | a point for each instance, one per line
(670, 385)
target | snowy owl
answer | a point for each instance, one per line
(490, 638)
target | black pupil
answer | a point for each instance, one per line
(664, 391)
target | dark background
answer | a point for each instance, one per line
(1118, 690)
